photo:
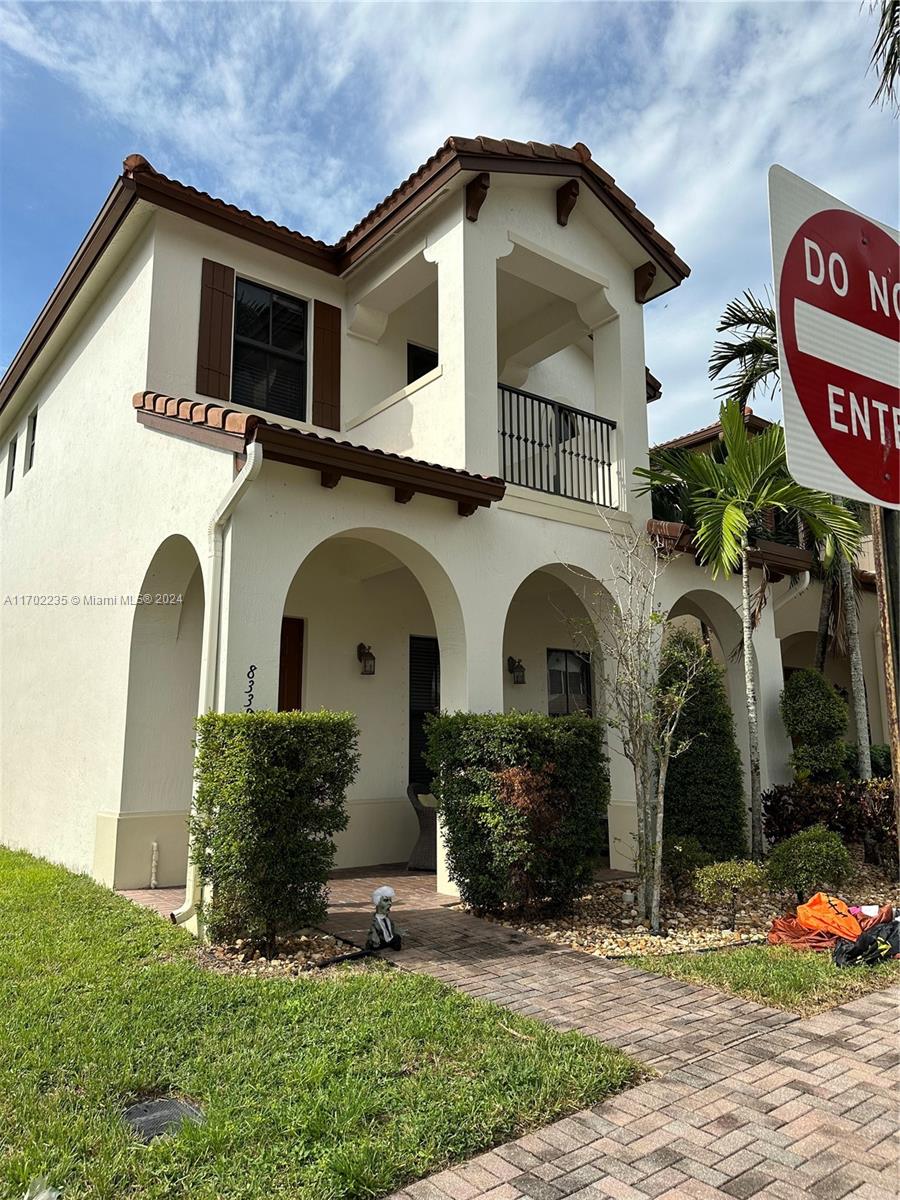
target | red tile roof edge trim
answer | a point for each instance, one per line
(251, 427)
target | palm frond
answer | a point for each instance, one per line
(720, 533)
(753, 354)
(886, 53)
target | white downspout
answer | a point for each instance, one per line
(210, 658)
(798, 586)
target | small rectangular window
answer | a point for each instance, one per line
(10, 466)
(419, 361)
(269, 370)
(568, 682)
(29, 442)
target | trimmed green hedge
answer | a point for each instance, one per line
(705, 783)
(270, 798)
(815, 718)
(521, 799)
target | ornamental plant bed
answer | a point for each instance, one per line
(601, 924)
(309, 950)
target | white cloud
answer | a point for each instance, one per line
(310, 113)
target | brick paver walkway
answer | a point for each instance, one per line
(751, 1102)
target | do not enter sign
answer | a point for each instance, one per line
(837, 298)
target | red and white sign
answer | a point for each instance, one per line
(837, 304)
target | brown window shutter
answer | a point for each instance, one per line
(290, 673)
(326, 400)
(214, 341)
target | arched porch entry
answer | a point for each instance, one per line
(372, 625)
(718, 623)
(149, 834)
(553, 665)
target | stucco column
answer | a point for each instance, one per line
(620, 389)
(774, 746)
(466, 257)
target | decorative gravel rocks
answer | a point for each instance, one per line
(296, 955)
(605, 925)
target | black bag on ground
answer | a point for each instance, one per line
(876, 945)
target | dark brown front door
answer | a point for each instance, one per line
(290, 673)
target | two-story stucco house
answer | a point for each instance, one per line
(245, 468)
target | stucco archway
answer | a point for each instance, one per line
(379, 590)
(163, 693)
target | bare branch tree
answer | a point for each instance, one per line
(626, 625)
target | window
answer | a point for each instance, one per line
(29, 442)
(269, 369)
(419, 361)
(568, 682)
(10, 466)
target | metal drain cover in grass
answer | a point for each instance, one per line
(151, 1119)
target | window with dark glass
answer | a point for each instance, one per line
(419, 361)
(10, 466)
(29, 442)
(269, 370)
(568, 682)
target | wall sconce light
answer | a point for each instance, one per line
(515, 668)
(367, 658)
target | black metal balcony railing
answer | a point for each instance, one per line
(554, 448)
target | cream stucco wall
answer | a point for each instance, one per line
(83, 524)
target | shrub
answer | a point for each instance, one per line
(270, 797)
(811, 859)
(881, 761)
(681, 857)
(860, 812)
(724, 882)
(521, 799)
(704, 785)
(815, 718)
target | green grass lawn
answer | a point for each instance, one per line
(800, 982)
(337, 1085)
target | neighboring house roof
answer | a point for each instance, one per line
(230, 429)
(710, 433)
(141, 181)
(654, 387)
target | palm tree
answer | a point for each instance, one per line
(751, 358)
(727, 498)
(754, 352)
(886, 52)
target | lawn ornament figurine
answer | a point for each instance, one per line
(382, 934)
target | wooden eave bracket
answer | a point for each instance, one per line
(565, 201)
(643, 280)
(476, 194)
(406, 478)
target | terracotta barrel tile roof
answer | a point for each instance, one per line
(252, 427)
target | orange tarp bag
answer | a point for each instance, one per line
(829, 914)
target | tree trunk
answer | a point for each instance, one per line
(857, 678)
(756, 838)
(640, 781)
(824, 621)
(656, 874)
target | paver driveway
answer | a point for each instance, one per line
(750, 1101)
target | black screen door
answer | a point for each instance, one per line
(424, 697)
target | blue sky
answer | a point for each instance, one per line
(311, 113)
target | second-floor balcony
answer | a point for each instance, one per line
(554, 448)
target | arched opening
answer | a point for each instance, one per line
(552, 663)
(798, 650)
(371, 625)
(163, 692)
(714, 619)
